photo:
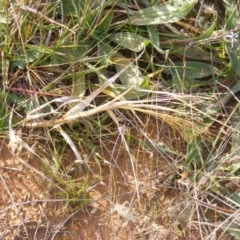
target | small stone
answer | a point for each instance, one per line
(9, 161)
(2, 163)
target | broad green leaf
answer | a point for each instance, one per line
(17, 63)
(72, 7)
(168, 12)
(209, 31)
(5, 68)
(68, 53)
(103, 27)
(234, 56)
(198, 53)
(202, 39)
(72, 52)
(153, 34)
(32, 55)
(194, 150)
(105, 52)
(132, 75)
(193, 70)
(235, 197)
(4, 19)
(79, 85)
(7, 99)
(233, 41)
(177, 82)
(184, 77)
(232, 11)
(235, 139)
(101, 72)
(20, 61)
(131, 41)
(234, 231)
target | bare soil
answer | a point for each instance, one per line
(136, 196)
